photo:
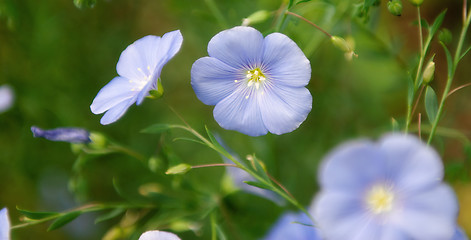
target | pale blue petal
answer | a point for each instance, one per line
(72, 135)
(240, 47)
(459, 234)
(144, 92)
(169, 46)
(241, 113)
(411, 164)
(290, 226)
(158, 235)
(7, 97)
(284, 61)
(139, 59)
(115, 92)
(353, 167)
(285, 108)
(428, 215)
(213, 80)
(116, 112)
(4, 225)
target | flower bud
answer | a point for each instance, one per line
(98, 141)
(429, 72)
(256, 17)
(395, 7)
(416, 2)
(346, 47)
(445, 36)
(159, 92)
(178, 169)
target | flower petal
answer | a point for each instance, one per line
(114, 113)
(411, 164)
(285, 62)
(72, 135)
(240, 47)
(158, 235)
(7, 97)
(428, 215)
(240, 111)
(352, 167)
(213, 80)
(140, 58)
(459, 234)
(285, 108)
(4, 225)
(115, 92)
(290, 226)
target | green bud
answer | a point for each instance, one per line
(395, 7)
(416, 2)
(429, 72)
(98, 141)
(178, 169)
(84, 3)
(154, 94)
(445, 36)
(256, 17)
(340, 43)
(154, 163)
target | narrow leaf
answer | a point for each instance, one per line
(449, 60)
(431, 104)
(410, 91)
(259, 185)
(109, 215)
(465, 52)
(63, 220)
(437, 23)
(302, 1)
(259, 168)
(157, 128)
(290, 4)
(213, 139)
(188, 139)
(36, 215)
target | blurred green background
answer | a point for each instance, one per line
(57, 57)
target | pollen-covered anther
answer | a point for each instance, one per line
(380, 199)
(255, 77)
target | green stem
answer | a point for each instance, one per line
(217, 13)
(449, 81)
(281, 17)
(309, 22)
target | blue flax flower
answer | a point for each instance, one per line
(158, 235)
(7, 97)
(293, 226)
(459, 234)
(139, 68)
(4, 225)
(390, 190)
(257, 84)
(72, 135)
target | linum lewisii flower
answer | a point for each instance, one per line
(4, 225)
(69, 134)
(139, 68)
(158, 235)
(6, 98)
(257, 84)
(390, 190)
(294, 226)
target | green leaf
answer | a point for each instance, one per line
(290, 4)
(109, 215)
(259, 185)
(410, 91)
(63, 220)
(213, 139)
(302, 1)
(157, 128)
(36, 215)
(437, 23)
(188, 139)
(431, 104)
(449, 60)
(259, 168)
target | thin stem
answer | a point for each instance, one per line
(465, 7)
(421, 38)
(215, 165)
(458, 88)
(419, 120)
(280, 185)
(281, 17)
(418, 98)
(311, 23)
(456, 60)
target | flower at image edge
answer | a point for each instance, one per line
(257, 84)
(139, 68)
(390, 190)
(158, 235)
(4, 225)
(294, 226)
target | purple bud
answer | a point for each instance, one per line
(72, 135)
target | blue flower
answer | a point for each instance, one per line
(139, 68)
(4, 225)
(257, 84)
(72, 135)
(391, 190)
(293, 226)
(459, 234)
(6, 98)
(158, 235)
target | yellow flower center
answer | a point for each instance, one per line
(255, 77)
(380, 199)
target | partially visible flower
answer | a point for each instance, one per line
(384, 191)
(257, 84)
(72, 135)
(293, 226)
(459, 234)
(139, 68)
(158, 235)
(7, 97)
(4, 225)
